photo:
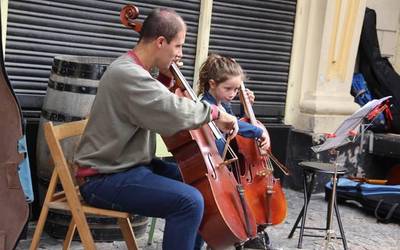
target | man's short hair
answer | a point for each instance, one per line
(162, 22)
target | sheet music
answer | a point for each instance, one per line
(350, 123)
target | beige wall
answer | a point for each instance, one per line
(325, 45)
(203, 37)
(4, 10)
(387, 15)
(388, 28)
(397, 50)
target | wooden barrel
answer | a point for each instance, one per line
(71, 90)
(102, 228)
(70, 93)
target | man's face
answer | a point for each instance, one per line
(172, 51)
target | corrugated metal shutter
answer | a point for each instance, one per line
(258, 34)
(38, 30)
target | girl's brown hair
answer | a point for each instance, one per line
(218, 68)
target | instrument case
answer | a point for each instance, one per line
(383, 201)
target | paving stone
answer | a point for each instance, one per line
(362, 230)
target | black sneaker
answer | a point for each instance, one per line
(260, 242)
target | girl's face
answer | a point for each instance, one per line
(227, 90)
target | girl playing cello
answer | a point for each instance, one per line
(220, 79)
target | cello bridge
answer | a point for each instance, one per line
(262, 173)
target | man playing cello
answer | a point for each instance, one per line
(116, 154)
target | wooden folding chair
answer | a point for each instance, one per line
(69, 199)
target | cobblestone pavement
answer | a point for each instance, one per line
(361, 230)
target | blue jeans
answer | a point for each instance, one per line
(153, 190)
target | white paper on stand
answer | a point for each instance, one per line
(342, 132)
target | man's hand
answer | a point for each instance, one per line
(227, 123)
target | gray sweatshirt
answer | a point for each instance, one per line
(129, 109)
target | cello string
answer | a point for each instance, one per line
(227, 141)
(217, 133)
(193, 96)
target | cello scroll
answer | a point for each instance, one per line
(127, 16)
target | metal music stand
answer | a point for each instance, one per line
(342, 136)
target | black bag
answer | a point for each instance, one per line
(385, 207)
(378, 72)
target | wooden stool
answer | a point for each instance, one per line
(311, 168)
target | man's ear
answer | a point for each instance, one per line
(160, 41)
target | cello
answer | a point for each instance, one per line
(263, 191)
(14, 209)
(227, 219)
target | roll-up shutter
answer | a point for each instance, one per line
(39, 30)
(258, 34)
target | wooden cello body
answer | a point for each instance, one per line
(263, 191)
(14, 209)
(227, 220)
